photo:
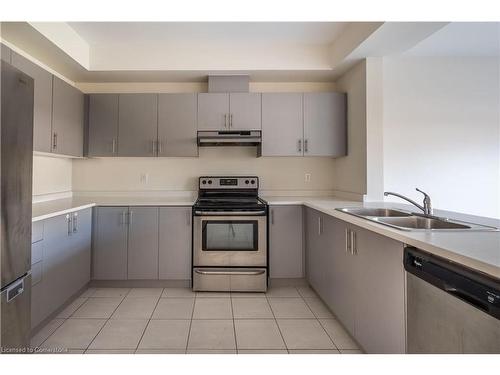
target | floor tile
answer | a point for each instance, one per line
(304, 334)
(174, 308)
(119, 334)
(97, 308)
(87, 293)
(318, 308)
(262, 351)
(213, 294)
(110, 292)
(165, 334)
(74, 334)
(45, 332)
(351, 351)
(251, 308)
(314, 351)
(258, 334)
(135, 308)
(290, 308)
(110, 351)
(211, 351)
(247, 295)
(71, 308)
(145, 292)
(211, 334)
(338, 334)
(178, 293)
(306, 291)
(212, 308)
(282, 291)
(160, 351)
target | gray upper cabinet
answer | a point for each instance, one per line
(103, 125)
(213, 111)
(325, 124)
(5, 53)
(143, 243)
(109, 256)
(282, 124)
(42, 111)
(137, 125)
(245, 111)
(286, 251)
(175, 243)
(177, 125)
(67, 119)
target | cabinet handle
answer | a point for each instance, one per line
(75, 222)
(122, 222)
(54, 141)
(347, 240)
(114, 146)
(230, 120)
(272, 216)
(160, 147)
(68, 219)
(188, 217)
(300, 145)
(354, 250)
(153, 147)
(305, 145)
(319, 225)
(225, 120)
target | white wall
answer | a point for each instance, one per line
(51, 175)
(441, 131)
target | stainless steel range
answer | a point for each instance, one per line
(230, 235)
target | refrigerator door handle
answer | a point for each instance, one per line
(15, 289)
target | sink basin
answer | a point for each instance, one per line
(376, 212)
(420, 222)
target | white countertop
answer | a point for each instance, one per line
(475, 249)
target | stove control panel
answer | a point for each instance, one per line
(229, 182)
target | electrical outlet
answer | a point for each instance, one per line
(144, 178)
(307, 177)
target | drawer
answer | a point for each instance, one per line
(230, 279)
(37, 252)
(36, 273)
(37, 231)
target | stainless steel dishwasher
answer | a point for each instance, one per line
(450, 308)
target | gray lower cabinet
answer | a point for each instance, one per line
(315, 245)
(177, 125)
(282, 124)
(109, 255)
(286, 251)
(213, 111)
(5, 53)
(137, 124)
(245, 111)
(67, 119)
(42, 111)
(325, 124)
(175, 234)
(143, 243)
(103, 125)
(81, 244)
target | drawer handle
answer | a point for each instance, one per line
(246, 273)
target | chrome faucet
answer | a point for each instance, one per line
(427, 207)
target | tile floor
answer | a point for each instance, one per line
(176, 320)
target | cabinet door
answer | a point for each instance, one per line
(286, 251)
(175, 243)
(137, 124)
(213, 111)
(103, 125)
(380, 294)
(67, 119)
(314, 268)
(245, 111)
(109, 256)
(325, 125)
(81, 246)
(282, 124)
(177, 125)
(143, 243)
(42, 107)
(5, 53)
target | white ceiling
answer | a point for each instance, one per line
(461, 39)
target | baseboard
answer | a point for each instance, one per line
(140, 283)
(287, 282)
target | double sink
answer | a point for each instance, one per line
(409, 221)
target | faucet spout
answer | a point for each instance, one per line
(426, 207)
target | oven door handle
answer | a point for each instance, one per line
(247, 273)
(230, 213)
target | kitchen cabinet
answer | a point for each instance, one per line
(315, 244)
(177, 125)
(245, 111)
(213, 111)
(5, 53)
(67, 119)
(137, 125)
(286, 251)
(142, 243)
(175, 237)
(325, 124)
(282, 124)
(81, 243)
(42, 102)
(110, 243)
(103, 125)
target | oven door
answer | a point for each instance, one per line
(230, 241)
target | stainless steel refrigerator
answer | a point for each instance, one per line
(15, 205)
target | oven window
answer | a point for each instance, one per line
(231, 235)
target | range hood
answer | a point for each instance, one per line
(229, 138)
